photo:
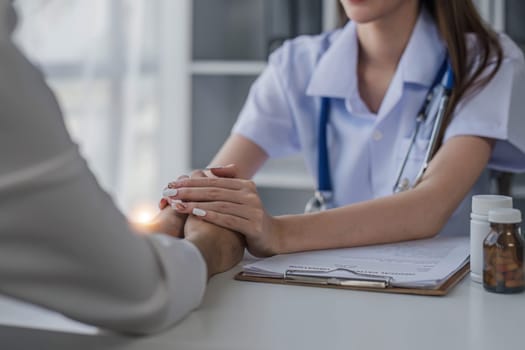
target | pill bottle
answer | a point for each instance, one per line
(480, 228)
(503, 253)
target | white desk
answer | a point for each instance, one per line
(244, 315)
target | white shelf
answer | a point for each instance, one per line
(518, 191)
(286, 173)
(285, 180)
(227, 67)
(330, 15)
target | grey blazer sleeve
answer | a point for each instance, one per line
(63, 244)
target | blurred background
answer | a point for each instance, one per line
(151, 88)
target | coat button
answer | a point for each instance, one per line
(377, 135)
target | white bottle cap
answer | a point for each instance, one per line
(505, 216)
(482, 203)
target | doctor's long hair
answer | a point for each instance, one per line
(455, 19)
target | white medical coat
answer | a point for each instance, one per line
(366, 149)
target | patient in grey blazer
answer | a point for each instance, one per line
(63, 243)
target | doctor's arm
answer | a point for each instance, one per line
(415, 214)
(243, 153)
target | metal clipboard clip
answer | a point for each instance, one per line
(356, 280)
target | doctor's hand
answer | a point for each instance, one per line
(170, 221)
(228, 171)
(233, 204)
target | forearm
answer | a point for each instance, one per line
(414, 214)
(418, 213)
(246, 155)
(400, 217)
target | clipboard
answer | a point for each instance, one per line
(442, 290)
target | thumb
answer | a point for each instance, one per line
(230, 171)
(163, 203)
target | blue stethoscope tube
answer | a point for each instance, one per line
(323, 195)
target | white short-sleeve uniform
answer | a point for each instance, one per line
(281, 114)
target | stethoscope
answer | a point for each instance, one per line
(440, 90)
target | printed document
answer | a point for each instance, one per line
(420, 264)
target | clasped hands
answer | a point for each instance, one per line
(220, 213)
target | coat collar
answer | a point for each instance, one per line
(336, 72)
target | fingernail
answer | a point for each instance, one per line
(198, 212)
(178, 204)
(169, 192)
(219, 167)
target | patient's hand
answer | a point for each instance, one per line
(221, 248)
(168, 221)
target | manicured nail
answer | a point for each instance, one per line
(169, 192)
(219, 167)
(198, 212)
(177, 204)
(214, 167)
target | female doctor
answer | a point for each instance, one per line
(361, 105)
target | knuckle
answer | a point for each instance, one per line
(197, 173)
(259, 214)
(252, 198)
(183, 182)
(250, 184)
(229, 221)
(213, 181)
(183, 193)
(214, 193)
(223, 206)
